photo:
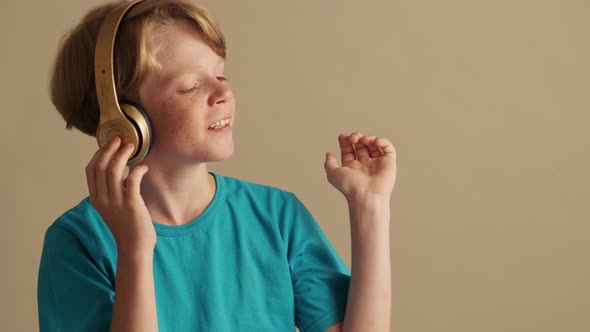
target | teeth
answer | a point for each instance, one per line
(219, 124)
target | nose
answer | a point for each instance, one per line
(221, 93)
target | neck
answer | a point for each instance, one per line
(175, 195)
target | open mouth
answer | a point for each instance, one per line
(222, 124)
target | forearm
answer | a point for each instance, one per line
(369, 296)
(135, 300)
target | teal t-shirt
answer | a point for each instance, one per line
(254, 260)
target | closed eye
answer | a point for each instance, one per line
(220, 78)
(188, 90)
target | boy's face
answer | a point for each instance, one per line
(187, 96)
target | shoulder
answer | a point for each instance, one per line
(256, 191)
(83, 222)
(278, 205)
(81, 217)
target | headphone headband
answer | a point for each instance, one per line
(123, 119)
(103, 62)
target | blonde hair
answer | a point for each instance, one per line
(139, 39)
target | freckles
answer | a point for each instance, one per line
(174, 118)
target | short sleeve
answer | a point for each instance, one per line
(320, 278)
(72, 293)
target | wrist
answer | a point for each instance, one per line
(368, 199)
(369, 210)
(128, 256)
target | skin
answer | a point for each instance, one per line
(172, 185)
(178, 187)
(366, 178)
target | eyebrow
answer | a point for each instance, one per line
(171, 78)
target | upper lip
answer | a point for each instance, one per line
(224, 118)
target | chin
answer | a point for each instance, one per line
(221, 158)
(221, 155)
(171, 155)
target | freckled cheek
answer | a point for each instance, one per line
(176, 122)
(176, 125)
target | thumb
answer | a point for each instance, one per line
(330, 163)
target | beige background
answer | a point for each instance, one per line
(486, 103)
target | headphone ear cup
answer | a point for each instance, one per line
(140, 120)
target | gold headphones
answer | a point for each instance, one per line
(124, 119)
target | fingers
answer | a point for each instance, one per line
(330, 162)
(90, 176)
(133, 182)
(95, 190)
(374, 150)
(359, 143)
(346, 149)
(101, 167)
(385, 145)
(116, 170)
(104, 174)
(357, 146)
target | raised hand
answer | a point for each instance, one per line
(368, 166)
(118, 200)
